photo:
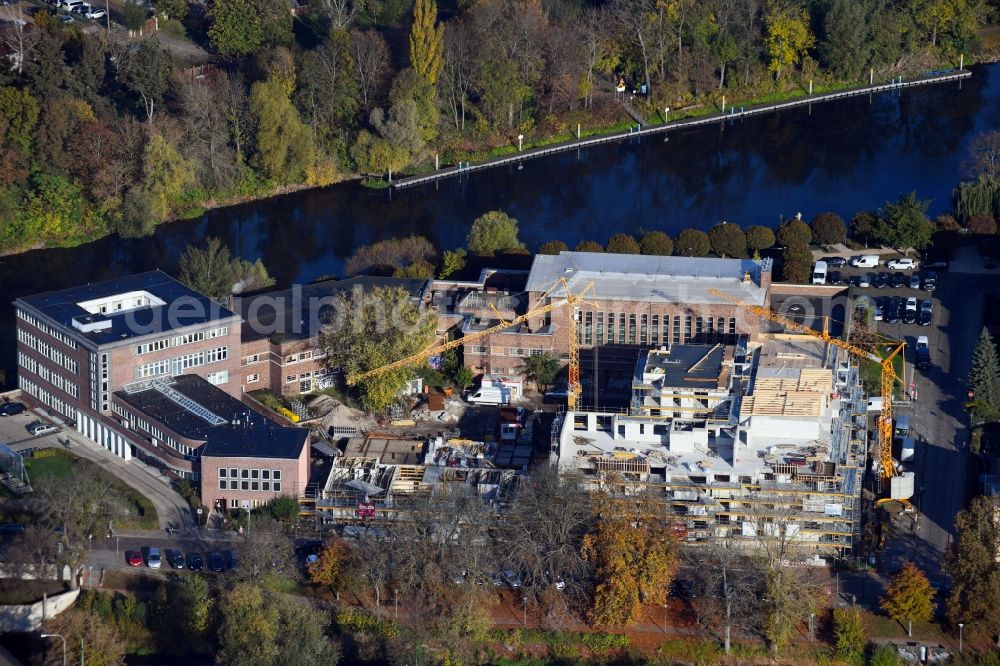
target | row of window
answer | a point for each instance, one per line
(48, 330)
(293, 378)
(217, 378)
(140, 424)
(645, 329)
(177, 365)
(48, 351)
(46, 373)
(46, 398)
(179, 340)
(261, 486)
(253, 377)
(248, 473)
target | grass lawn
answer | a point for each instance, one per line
(871, 374)
(60, 464)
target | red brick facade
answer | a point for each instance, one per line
(294, 475)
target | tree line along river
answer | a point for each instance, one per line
(842, 156)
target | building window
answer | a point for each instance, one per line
(254, 473)
(277, 474)
(291, 378)
(265, 474)
(245, 485)
(234, 504)
(254, 485)
(253, 358)
(600, 328)
(621, 328)
(643, 329)
(217, 378)
(687, 328)
(265, 485)
(655, 339)
(631, 329)
(223, 484)
(252, 377)
(588, 328)
(676, 336)
(732, 326)
(305, 386)
(276, 487)
(710, 329)
(244, 474)
(698, 329)
(222, 473)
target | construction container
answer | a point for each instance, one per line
(901, 487)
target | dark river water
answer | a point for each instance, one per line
(842, 156)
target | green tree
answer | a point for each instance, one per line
(452, 261)
(543, 368)
(794, 232)
(884, 655)
(910, 597)
(796, 263)
(828, 229)
(214, 272)
(19, 116)
(846, 47)
(370, 330)
(401, 127)
(426, 41)
(133, 15)
(656, 243)
(974, 598)
(692, 243)
(166, 176)
(728, 240)
(760, 238)
(172, 9)
(493, 232)
(984, 378)
(588, 246)
(849, 633)
(903, 223)
(409, 86)
(284, 144)
(864, 225)
(187, 609)
(787, 36)
(249, 628)
(373, 154)
(147, 75)
(622, 244)
(236, 28)
(55, 209)
(302, 632)
(552, 247)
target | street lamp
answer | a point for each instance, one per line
(395, 601)
(812, 617)
(520, 141)
(960, 626)
(664, 617)
(60, 637)
(525, 600)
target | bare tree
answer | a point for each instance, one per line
(371, 61)
(593, 38)
(376, 564)
(342, 12)
(984, 155)
(564, 67)
(266, 550)
(729, 587)
(18, 35)
(456, 76)
(33, 553)
(237, 105)
(632, 18)
(207, 129)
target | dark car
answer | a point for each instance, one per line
(910, 316)
(899, 280)
(881, 280)
(834, 262)
(176, 559)
(938, 265)
(923, 360)
(216, 563)
(11, 529)
(195, 562)
(12, 408)
(683, 589)
(231, 562)
(915, 281)
(925, 318)
(834, 277)
(930, 281)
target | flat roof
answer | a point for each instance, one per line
(649, 278)
(181, 307)
(685, 366)
(242, 432)
(299, 312)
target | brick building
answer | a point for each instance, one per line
(235, 453)
(77, 346)
(636, 301)
(281, 346)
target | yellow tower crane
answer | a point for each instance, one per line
(439, 347)
(889, 376)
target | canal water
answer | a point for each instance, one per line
(842, 156)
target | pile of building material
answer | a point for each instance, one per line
(460, 453)
(440, 409)
(339, 415)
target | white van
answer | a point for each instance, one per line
(908, 449)
(490, 395)
(875, 404)
(819, 273)
(865, 261)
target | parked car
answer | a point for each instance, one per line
(865, 280)
(930, 281)
(176, 559)
(834, 277)
(835, 262)
(915, 281)
(67, 19)
(195, 561)
(153, 560)
(881, 280)
(12, 408)
(81, 9)
(923, 353)
(133, 558)
(898, 281)
(683, 589)
(95, 13)
(901, 264)
(879, 312)
(216, 563)
(38, 428)
(231, 562)
(511, 578)
(865, 261)
(11, 529)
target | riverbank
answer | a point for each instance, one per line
(668, 121)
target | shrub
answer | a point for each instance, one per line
(760, 238)
(588, 246)
(982, 224)
(692, 243)
(622, 244)
(603, 642)
(828, 229)
(728, 240)
(552, 247)
(794, 232)
(656, 243)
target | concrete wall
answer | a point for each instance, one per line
(30, 617)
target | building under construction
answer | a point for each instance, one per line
(764, 439)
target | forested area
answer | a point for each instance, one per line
(104, 134)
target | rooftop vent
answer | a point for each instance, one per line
(89, 323)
